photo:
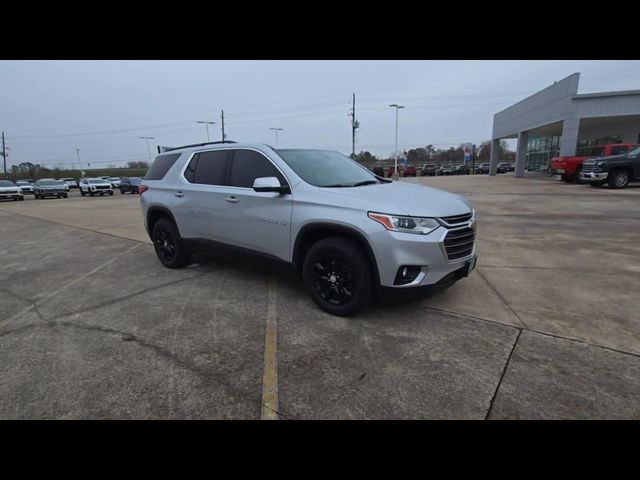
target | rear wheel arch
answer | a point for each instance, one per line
(156, 213)
(312, 233)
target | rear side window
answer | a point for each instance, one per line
(619, 150)
(161, 166)
(208, 168)
(247, 165)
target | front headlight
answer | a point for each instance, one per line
(419, 225)
(600, 163)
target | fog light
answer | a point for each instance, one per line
(407, 274)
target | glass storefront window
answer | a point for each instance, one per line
(541, 150)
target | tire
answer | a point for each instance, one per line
(168, 244)
(66, 195)
(21, 199)
(111, 193)
(566, 178)
(576, 177)
(330, 262)
(91, 194)
(82, 194)
(35, 195)
(15, 199)
(618, 179)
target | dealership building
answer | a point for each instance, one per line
(559, 121)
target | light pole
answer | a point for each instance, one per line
(206, 124)
(396, 176)
(276, 130)
(148, 147)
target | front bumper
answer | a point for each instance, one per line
(10, 196)
(593, 176)
(52, 193)
(394, 250)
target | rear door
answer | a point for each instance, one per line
(199, 202)
(260, 221)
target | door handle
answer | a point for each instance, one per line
(179, 194)
(231, 199)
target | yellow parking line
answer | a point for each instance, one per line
(270, 375)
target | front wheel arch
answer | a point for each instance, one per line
(312, 233)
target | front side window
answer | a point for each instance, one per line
(247, 165)
(327, 168)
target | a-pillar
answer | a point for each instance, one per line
(521, 154)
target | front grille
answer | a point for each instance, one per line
(102, 187)
(588, 167)
(459, 243)
(455, 219)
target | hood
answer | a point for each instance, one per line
(404, 198)
(592, 160)
(9, 189)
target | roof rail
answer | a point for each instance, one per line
(199, 145)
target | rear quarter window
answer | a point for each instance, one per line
(161, 166)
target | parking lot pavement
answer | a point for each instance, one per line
(92, 326)
(117, 215)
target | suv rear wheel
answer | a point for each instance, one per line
(168, 244)
(338, 276)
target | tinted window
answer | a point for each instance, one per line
(248, 165)
(210, 167)
(161, 166)
(618, 150)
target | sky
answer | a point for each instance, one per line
(48, 109)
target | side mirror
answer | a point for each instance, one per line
(269, 184)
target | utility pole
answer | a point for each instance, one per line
(223, 135)
(354, 125)
(4, 156)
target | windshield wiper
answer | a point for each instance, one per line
(338, 185)
(366, 182)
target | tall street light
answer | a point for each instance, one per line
(396, 176)
(206, 124)
(276, 130)
(148, 147)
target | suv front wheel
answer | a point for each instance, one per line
(168, 244)
(618, 179)
(338, 276)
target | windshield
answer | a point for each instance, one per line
(135, 180)
(596, 151)
(635, 151)
(326, 168)
(22, 183)
(97, 180)
(6, 183)
(48, 183)
(113, 179)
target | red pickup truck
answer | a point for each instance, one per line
(569, 167)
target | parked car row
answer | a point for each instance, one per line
(59, 188)
(616, 165)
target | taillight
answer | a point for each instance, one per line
(142, 189)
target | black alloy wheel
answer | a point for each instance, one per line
(168, 244)
(338, 276)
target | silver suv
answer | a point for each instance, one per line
(348, 232)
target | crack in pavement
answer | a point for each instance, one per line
(501, 297)
(504, 370)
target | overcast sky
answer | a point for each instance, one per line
(48, 109)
